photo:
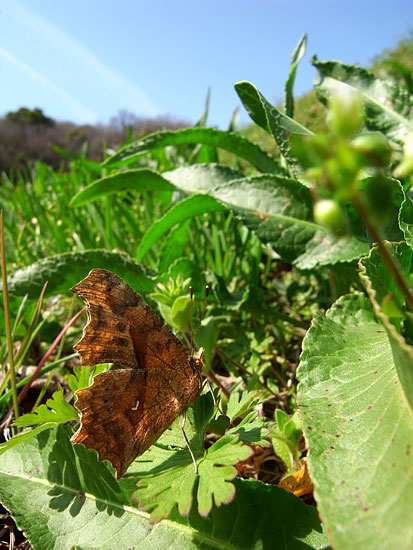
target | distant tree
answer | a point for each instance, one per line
(28, 116)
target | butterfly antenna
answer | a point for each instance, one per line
(202, 313)
(191, 294)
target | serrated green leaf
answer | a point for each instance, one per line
(208, 136)
(406, 219)
(241, 403)
(252, 430)
(170, 478)
(379, 283)
(62, 497)
(216, 471)
(352, 406)
(24, 436)
(201, 178)
(389, 107)
(280, 126)
(132, 180)
(55, 410)
(159, 494)
(65, 270)
(82, 376)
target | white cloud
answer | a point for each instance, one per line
(81, 57)
(79, 110)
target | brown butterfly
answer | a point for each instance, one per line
(126, 410)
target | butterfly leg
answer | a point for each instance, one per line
(187, 442)
(206, 382)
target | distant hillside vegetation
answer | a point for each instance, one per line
(27, 136)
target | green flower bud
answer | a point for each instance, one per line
(345, 114)
(331, 215)
(374, 148)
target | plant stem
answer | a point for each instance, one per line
(7, 319)
(384, 251)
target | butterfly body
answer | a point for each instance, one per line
(126, 410)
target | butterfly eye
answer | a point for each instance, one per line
(192, 364)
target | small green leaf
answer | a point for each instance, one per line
(285, 450)
(240, 403)
(55, 410)
(181, 313)
(82, 376)
(252, 430)
(216, 471)
(219, 425)
(159, 494)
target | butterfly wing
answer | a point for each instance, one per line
(123, 413)
(126, 410)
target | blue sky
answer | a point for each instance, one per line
(84, 60)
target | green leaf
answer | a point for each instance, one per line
(358, 427)
(281, 419)
(292, 429)
(379, 283)
(240, 403)
(389, 107)
(173, 247)
(216, 470)
(174, 476)
(132, 180)
(285, 438)
(82, 376)
(280, 212)
(280, 126)
(62, 498)
(65, 270)
(188, 208)
(252, 430)
(208, 136)
(24, 436)
(199, 178)
(284, 448)
(181, 313)
(296, 57)
(55, 410)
